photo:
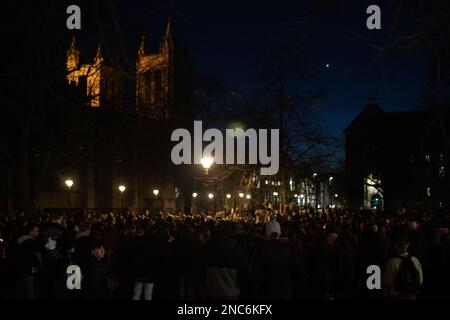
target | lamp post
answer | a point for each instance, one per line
(241, 195)
(248, 197)
(210, 197)
(121, 188)
(194, 195)
(207, 163)
(228, 196)
(69, 184)
(316, 189)
(330, 180)
(156, 192)
(275, 198)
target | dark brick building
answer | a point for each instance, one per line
(397, 159)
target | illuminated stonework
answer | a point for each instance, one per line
(94, 73)
(373, 193)
(154, 78)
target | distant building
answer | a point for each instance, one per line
(101, 82)
(136, 153)
(397, 159)
(162, 79)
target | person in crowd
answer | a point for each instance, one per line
(95, 284)
(56, 255)
(402, 276)
(28, 262)
(277, 266)
(145, 265)
(223, 260)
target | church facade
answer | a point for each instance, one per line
(135, 152)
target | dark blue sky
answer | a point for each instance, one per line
(226, 37)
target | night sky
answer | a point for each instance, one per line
(226, 37)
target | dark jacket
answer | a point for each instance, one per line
(276, 267)
(224, 258)
(95, 283)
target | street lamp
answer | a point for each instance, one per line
(194, 207)
(248, 196)
(241, 195)
(121, 189)
(210, 196)
(207, 163)
(69, 184)
(330, 180)
(316, 191)
(156, 192)
(275, 195)
(228, 196)
(302, 199)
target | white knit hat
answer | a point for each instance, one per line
(272, 227)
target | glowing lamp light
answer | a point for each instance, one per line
(275, 193)
(228, 196)
(336, 195)
(210, 196)
(207, 162)
(195, 195)
(122, 188)
(156, 192)
(241, 195)
(69, 183)
(248, 196)
(302, 196)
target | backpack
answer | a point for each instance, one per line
(407, 280)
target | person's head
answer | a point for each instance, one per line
(84, 226)
(32, 230)
(57, 218)
(224, 229)
(273, 229)
(402, 244)
(97, 249)
(238, 229)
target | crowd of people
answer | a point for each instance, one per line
(138, 255)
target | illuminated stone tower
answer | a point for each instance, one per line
(155, 77)
(102, 82)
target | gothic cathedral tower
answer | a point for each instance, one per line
(155, 78)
